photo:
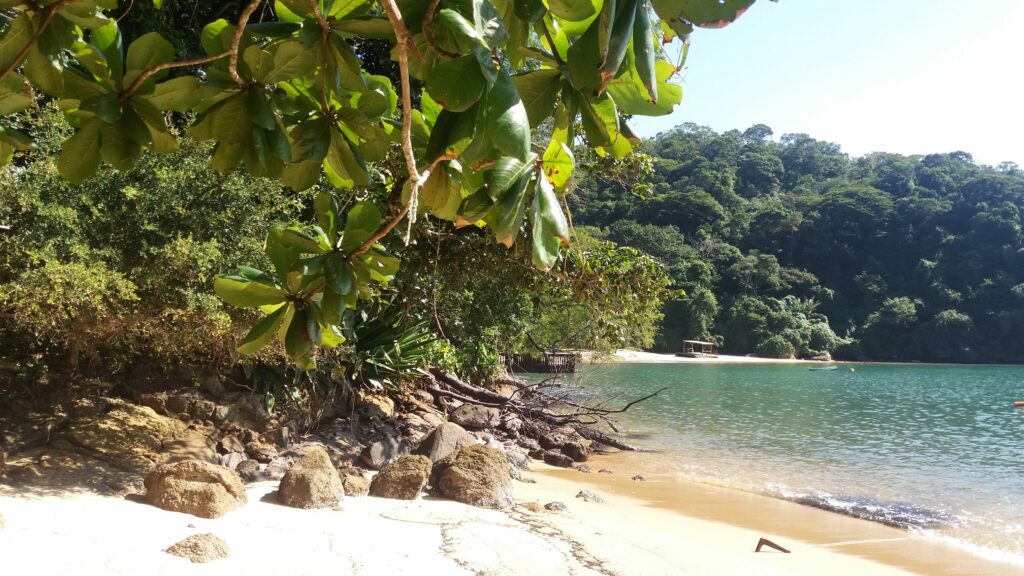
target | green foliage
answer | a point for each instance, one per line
(284, 95)
(130, 258)
(775, 347)
(917, 257)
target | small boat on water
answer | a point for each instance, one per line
(824, 369)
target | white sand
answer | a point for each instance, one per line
(636, 357)
(88, 534)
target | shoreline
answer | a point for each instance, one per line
(742, 517)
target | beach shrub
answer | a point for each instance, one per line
(775, 347)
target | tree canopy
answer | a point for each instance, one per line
(471, 111)
(906, 257)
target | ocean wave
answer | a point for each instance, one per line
(896, 514)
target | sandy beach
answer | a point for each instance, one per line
(661, 525)
(637, 357)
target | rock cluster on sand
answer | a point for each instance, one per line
(201, 548)
(403, 479)
(312, 482)
(195, 487)
(477, 475)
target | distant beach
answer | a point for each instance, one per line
(637, 357)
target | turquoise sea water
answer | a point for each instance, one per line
(938, 449)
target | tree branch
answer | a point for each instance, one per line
(236, 42)
(146, 75)
(404, 39)
(47, 18)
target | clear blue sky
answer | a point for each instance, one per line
(907, 76)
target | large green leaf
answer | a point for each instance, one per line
(550, 228)
(441, 193)
(80, 154)
(506, 217)
(474, 207)
(574, 10)
(148, 51)
(290, 60)
(457, 84)
(644, 51)
(15, 38)
(15, 94)
(178, 94)
(304, 243)
(300, 338)
(247, 293)
(632, 97)
(362, 222)
(539, 90)
(262, 332)
(702, 13)
(508, 125)
(559, 164)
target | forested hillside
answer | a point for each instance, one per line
(909, 257)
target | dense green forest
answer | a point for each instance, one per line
(775, 241)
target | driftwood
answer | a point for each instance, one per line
(540, 410)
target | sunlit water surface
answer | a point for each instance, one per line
(938, 449)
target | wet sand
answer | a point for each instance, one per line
(667, 504)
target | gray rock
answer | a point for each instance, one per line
(528, 444)
(477, 475)
(556, 458)
(582, 468)
(556, 506)
(511, 424)
(604, 471)
(201, 548)
(195, 487)
(232, 460)
(230, 443)
(588, 496)
(559, 437)
(403, 479)
(312, 482)
(277, 469)
(260, 453)
(221, 413)
(212, 385)
(639, 478)
(474, 417)
(179, 404)
(381, 453)
(249, 470)
(204, 410)
(576, 450)
(444, 440)
(517, 458)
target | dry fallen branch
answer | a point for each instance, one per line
(537, 408)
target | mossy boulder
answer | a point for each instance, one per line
(312, 482)
(477, 475)
(195, 487)
(403, 479)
